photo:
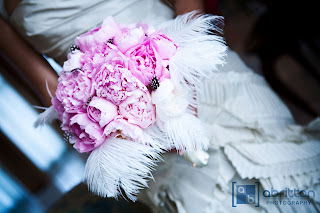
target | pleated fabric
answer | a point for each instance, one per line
(253, 139)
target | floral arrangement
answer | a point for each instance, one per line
(127, 94)
(105, 88)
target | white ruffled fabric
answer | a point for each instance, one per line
(253, 137)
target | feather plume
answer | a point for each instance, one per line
(120, 164)
(199, 53)
(47, 116)
(187, 27)
(48, 90)
(161, 142)
(181, 129)
(151, 137)
(186, 133)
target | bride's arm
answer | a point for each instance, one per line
(10, 5)
(184, 6)
(33, 65)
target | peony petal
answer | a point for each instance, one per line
(87, 40)
(73, 62)
(138, 109)
(126, 129)
(109, 29)
(164, 46)
(130, 39)
(95, 131)
(99, 35)
(169, 101)
(108, 110)
(81, 119)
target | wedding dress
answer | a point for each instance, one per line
(253, 137)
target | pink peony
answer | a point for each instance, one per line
(73, 62)
(121, 127)
(98, 59)
(58, 107)
(148, 59)
(115, 83)
(164, 46)
(114, 57)
(88, 135)
(63, 115)
(74, 90)
(101, 111)
(129, 38)
(98, 36)
(148, 30)
(138, 109)
(102, 91)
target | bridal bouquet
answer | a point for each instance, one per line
(127, 94)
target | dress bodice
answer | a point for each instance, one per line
(51, 26)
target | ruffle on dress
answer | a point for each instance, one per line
(253, 138)
(256, 130)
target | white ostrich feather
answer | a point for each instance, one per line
(186, 133)
(187, 27)
(120, 164)
(182, 130)
(151, 136)
(47, 116)
(48, 90)
(161, 142)
(199, 50)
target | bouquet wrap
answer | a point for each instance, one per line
(127, 93)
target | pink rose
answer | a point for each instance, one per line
(101, 111)
(74, 90)
(138, 109)
(88, 135)
(98, 36)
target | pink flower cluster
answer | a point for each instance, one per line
(103, 88)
